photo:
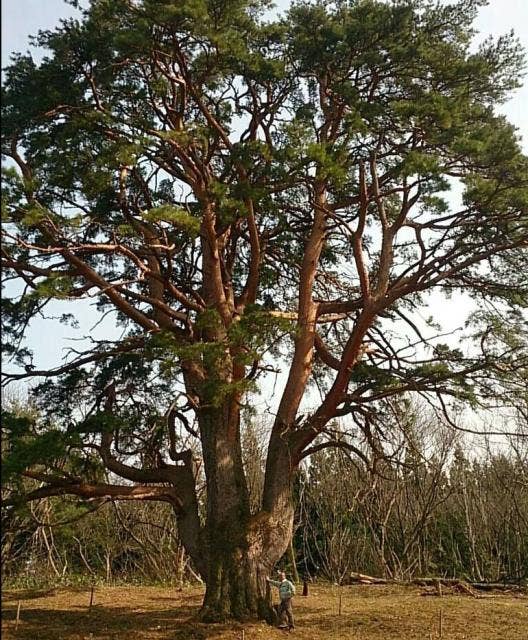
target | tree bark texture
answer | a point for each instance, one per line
(240, 548)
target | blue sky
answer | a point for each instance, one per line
(21, 18)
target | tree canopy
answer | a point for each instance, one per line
(242, 193)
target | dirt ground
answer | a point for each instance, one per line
(376, 612)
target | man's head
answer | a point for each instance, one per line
(282, 575)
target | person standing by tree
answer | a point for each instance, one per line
(286, 593)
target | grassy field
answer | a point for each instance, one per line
(367, 612)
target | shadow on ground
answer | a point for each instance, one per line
(177, 622)
(29, 594)
(108, 622)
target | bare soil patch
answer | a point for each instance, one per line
(373, 612)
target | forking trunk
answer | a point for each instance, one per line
(241, 548)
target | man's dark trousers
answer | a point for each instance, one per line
(286, 608)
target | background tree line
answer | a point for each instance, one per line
(433, 506)
(444, 515)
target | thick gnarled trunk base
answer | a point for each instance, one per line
(236, 584)
(236, 588)
(240, 548)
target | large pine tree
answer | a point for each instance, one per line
(241, 192)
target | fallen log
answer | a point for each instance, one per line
(364, 579)
(481, 586)
(497, 586)
(463, 587)
(427, 582)
(456, 584)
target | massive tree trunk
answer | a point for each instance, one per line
(240, 548)
(239, 559)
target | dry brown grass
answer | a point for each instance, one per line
(368, 613)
